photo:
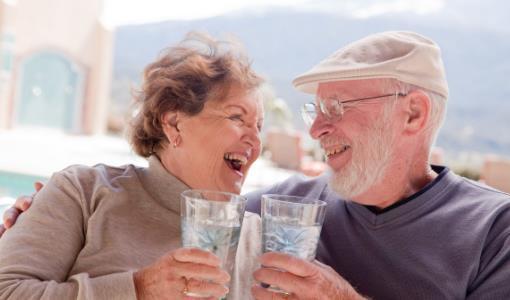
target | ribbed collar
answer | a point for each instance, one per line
(162, 185)
(422, 200)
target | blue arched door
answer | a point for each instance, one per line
(49, 92)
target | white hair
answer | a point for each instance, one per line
(437, 105)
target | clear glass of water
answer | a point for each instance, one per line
(291, 225)
(211, 220)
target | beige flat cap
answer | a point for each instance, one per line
(406, 56)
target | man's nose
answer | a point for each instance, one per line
(320, 127)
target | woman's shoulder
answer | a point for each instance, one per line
(89, 185)
(99, 174)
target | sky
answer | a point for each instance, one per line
(123, 12)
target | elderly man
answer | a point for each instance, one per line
(396, 227)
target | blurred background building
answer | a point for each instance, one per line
(55, 64)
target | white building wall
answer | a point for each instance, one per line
(70, 27)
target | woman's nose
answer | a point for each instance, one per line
(252, 134)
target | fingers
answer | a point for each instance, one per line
(324, 267)
(10, 216)
(284, 280)
(289, 263)
(182, 272)
(200, 264)
(302, 278)
(289, 273)
(38, 185)
(23, 203)
(202, 272)
(261, 293)
(197, 256)
(206, 288)
(198, 298)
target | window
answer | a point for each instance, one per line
(6, 52)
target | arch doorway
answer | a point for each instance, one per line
(49, 92)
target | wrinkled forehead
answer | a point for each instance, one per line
(255, 98)
(352, 88)
(250, 100)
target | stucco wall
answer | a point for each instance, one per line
(73, 29)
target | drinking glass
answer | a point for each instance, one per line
(211, 220)
(291, 225)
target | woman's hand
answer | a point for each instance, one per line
(183, 270)
(21, 205)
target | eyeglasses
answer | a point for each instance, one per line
(333, 109)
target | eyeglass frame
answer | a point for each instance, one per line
(305, 114)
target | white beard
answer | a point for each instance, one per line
(371, 154)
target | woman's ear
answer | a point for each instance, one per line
(417, 111)
(170, 123)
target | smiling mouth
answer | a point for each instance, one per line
(333, 151)
(235, 161)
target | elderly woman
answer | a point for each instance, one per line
(108, 232)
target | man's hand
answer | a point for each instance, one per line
(22, 204)
(301, 279)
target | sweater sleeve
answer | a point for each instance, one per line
(38, 253)
(491, 281)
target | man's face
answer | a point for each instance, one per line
(359, 145)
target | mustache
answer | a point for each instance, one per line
(330, 141)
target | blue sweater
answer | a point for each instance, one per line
(451, 240)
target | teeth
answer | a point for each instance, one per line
(237, 157)
(333, 151)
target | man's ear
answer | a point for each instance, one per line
(417, 111)
(170, 123)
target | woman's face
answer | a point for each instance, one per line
(218, 146)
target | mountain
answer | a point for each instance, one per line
(284, 44)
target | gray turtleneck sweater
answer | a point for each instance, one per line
(95, 226)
